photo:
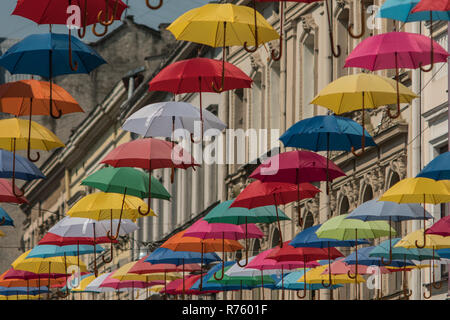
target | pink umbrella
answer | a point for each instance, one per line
(396, 50)
(204, 230)
(297, 167)
(261, 262)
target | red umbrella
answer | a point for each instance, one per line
(260, 194)
(55, 12)
(297, 167)
(7, 194)
(150, 154)
(290, 253)
(199, 75)
(440, 227)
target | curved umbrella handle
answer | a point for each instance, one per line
(159, 5)
(98, 34)
(336, 52)
(363, 25)
(273, 53)
(432, 48)
(256, 32)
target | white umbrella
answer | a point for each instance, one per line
(162, 119)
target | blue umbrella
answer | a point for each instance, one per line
(375, 210)
(5, 219)
(308, 238)
(164, 255)
(438, 168)
(46, 55)
(46, 251)
(401, 10)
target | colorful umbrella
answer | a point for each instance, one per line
(126, 181)
(395, 50)
(260, 194)
(150, 154)
(223, 25)
(419, 190)
(375, 210)
(297, 167)
(5, 219)
(361, 91)
(10, 194)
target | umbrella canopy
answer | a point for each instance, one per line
(309, 238)
(224, 213)
(374, 210)
(46, 251)
(5, 219)
(440, 227)
(402, 10)
(164, 255)
(126, 181)
(400, 253)
(180, 242)
(51, 52)
(322, 133)
(149, 154)
(222, 25)
(395, 49)
(361, 91)
(204, 230)
(23, 169)
(46, 265)
(15, 129)
(196, 75)
(7, 195)
(297, 167)
(164, 119)
(341, 228)
(438, 168)
(101, 206)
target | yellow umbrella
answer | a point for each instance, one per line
(223, 25)
(123, 274)
(419, 190)
(18, 134)
(361, 91)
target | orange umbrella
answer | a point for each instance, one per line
(179, 242)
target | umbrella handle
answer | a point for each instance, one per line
(432, 48)
(109, 22)
(336, 52)
(273, 54)
(111, 257)
(363, 25)
(98, 34)
(256, 32)
(159, 5)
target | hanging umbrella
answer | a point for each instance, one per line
(5, 219)
(204, 230)
(150, 154)
(196, 75)
(55, 12)
(224, 213)
(297, 167)
(375, 210)
(223, 25)
(340, 228)
(163, 118)
(361, 91)
(431, 241)
(10, 194)
(126, 181)
(395, 50)
(259, 194)
(309, 239)
(45, 55)
(419, 190)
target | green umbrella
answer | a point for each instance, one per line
(126, 180)
(222, 213)
(340, 228)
